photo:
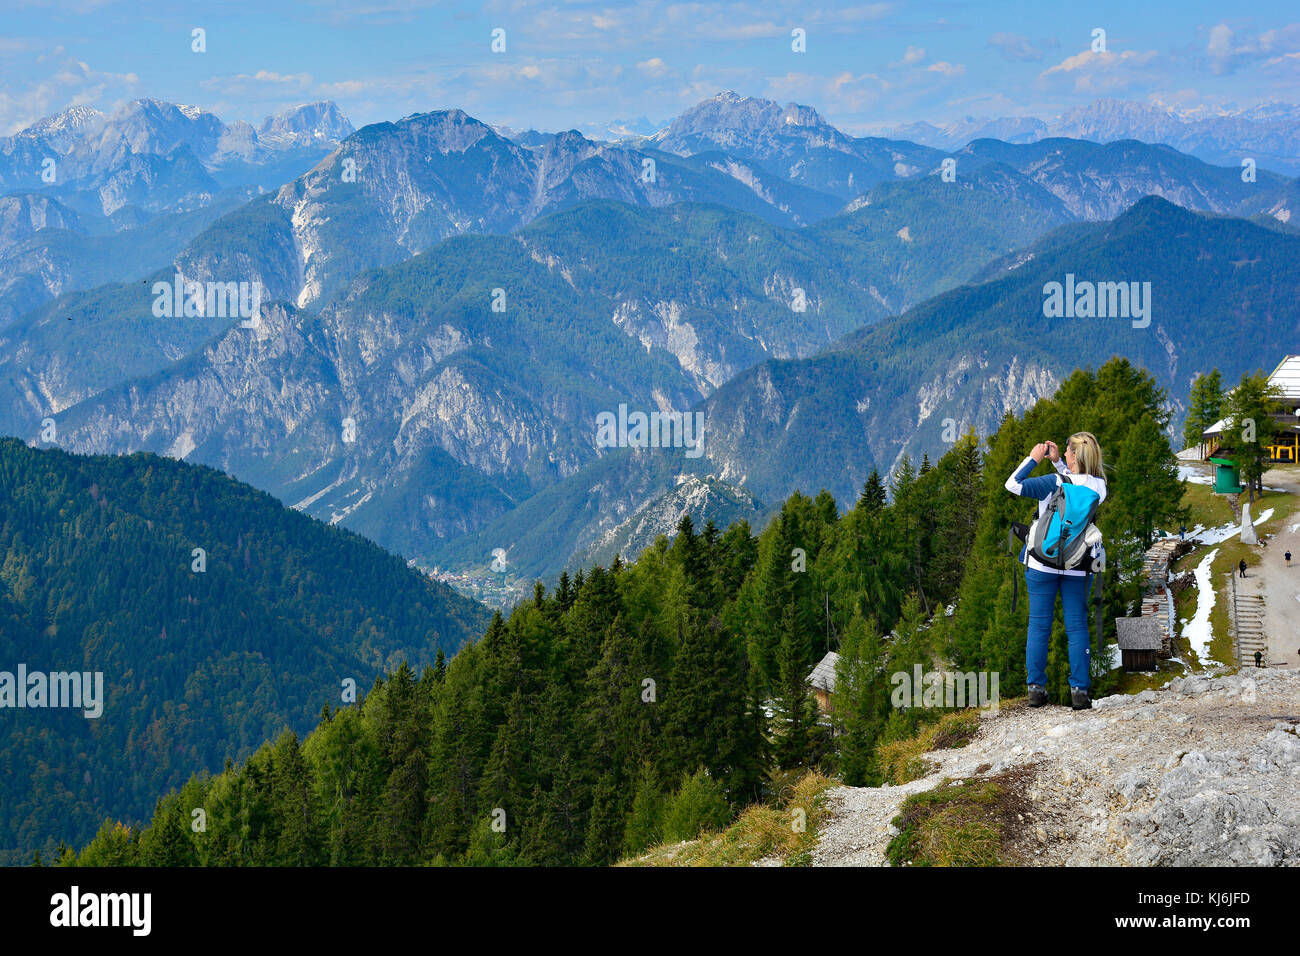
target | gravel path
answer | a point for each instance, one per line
(1203, 772)
(1276, 583)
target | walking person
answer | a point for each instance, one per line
(1288, 559)
(1082, 466)
(1259, 659)
(1242, 566)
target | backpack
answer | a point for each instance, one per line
(1063, 535)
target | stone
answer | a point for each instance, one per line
(1248, 534)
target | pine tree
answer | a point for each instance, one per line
(461, 741)
(114, 845)
(1145, 492)
(1204, 407)
(1251, 428)
(166, 842)
(873, 493)
(708, 721)
(796, 714)
(698, 806)
(605, 826)
(908, 518)
(489, 846)
(645, 823)
(689, 552)
(860, 701)
(508, 779)
(955, 508)
(296, 823)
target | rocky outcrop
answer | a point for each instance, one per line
(1203, 772)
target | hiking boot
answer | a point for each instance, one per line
(1079, 699)
(1037, 695)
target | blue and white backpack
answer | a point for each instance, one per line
(1063, 536)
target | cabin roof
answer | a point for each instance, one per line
(1287, 377)
(1138, 633)
(823, 675)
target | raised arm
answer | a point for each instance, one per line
(1021, 484)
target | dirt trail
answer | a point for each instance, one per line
(1278, 585)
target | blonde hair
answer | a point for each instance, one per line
(1087, 453)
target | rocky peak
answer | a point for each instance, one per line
(63, 129)
(307, 124)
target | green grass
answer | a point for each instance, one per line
(973, 822)
(901, 761)
(1207, 509)
(788, 832)
(1135, 683)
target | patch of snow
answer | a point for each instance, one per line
(1193, 475)
(1224, 532)
(1197, 630)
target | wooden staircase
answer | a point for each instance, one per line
(1250, 629)
(1247, 614)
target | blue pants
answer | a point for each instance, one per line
(1042, 587)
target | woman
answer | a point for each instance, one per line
(1084, 466)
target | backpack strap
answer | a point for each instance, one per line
(1101, 610)
(1101, 604)
(1015, 576)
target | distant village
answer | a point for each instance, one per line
(494, 590)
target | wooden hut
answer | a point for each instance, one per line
(1140, 640)
(822, 682)
(1285, 412)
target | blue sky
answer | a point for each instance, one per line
(575, 64)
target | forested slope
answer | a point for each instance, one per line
(199, 667)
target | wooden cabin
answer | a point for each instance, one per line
(1286, 379)
(1140, 640)
(822, 682)
(1286, 414)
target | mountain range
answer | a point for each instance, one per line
(447, 310)
(1268, 133)
(88, 198)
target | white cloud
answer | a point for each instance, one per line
(1015, 47)
(1289, 62)
(653, 67)
(259, 83)
(1228, 51)
(1096, 73)
(946, 68)
(72, 83)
